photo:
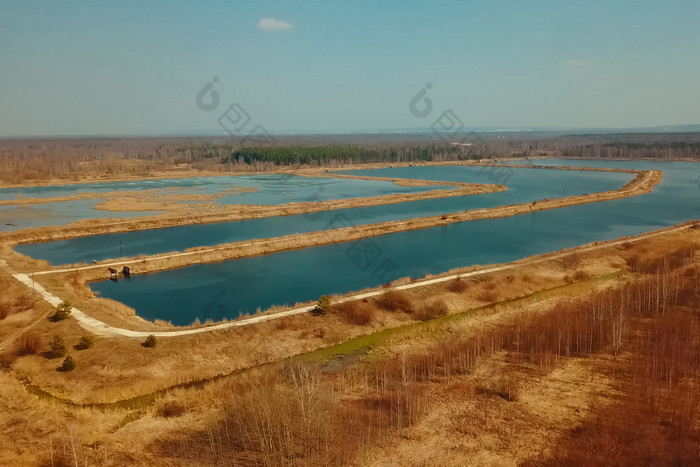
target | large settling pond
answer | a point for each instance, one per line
(227, 289)
(524, 186)
(270, 189)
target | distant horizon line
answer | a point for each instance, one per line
(683, 128)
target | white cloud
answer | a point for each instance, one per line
(273, 24)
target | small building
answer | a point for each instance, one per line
(126, 271)
(113, 272)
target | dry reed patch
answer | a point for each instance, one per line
(29, 344)
(571, 261)
(33, 428)
(468, 426)
(432, 310)
(395, 301)
(457, 285)
(580, 275)
(268, 421)
(355, 312)
(171, 408)
(488, 296)
(5, 310)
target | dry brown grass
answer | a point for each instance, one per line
(28, 344)
(294, 413)
(655, 422)
(432, 310)
(665, 365)
(171, 408)
(7, 361)
(5, 310)
(488, 296)
(654, 263)
(278, 419)
(355, 312)
(395, 301)
(580, 275)
(25, 301)
(457, 285)
(224, 352)
(505, 385)
(571, 262)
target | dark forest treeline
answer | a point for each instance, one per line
(72, 158)
(345, 154)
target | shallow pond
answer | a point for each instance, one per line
(232, 287)
(16, 217)
(272, 189)
(524, 186)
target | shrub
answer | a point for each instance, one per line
(57, 347)
(434, 310)
(284, 324)
(7, 360)
(355, 312)
(85, 342)
(580, 276)
(68, 364)
(570, 261)
(150, 341)
(488, 296)
(25, 302)
(28, 344)
(63, 310)
(171, 409)
(457, 285)
(323, 305)
(527, 278)
(395, 301)
(505, 385)
(5, 310)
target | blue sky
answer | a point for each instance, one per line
(100, 68)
